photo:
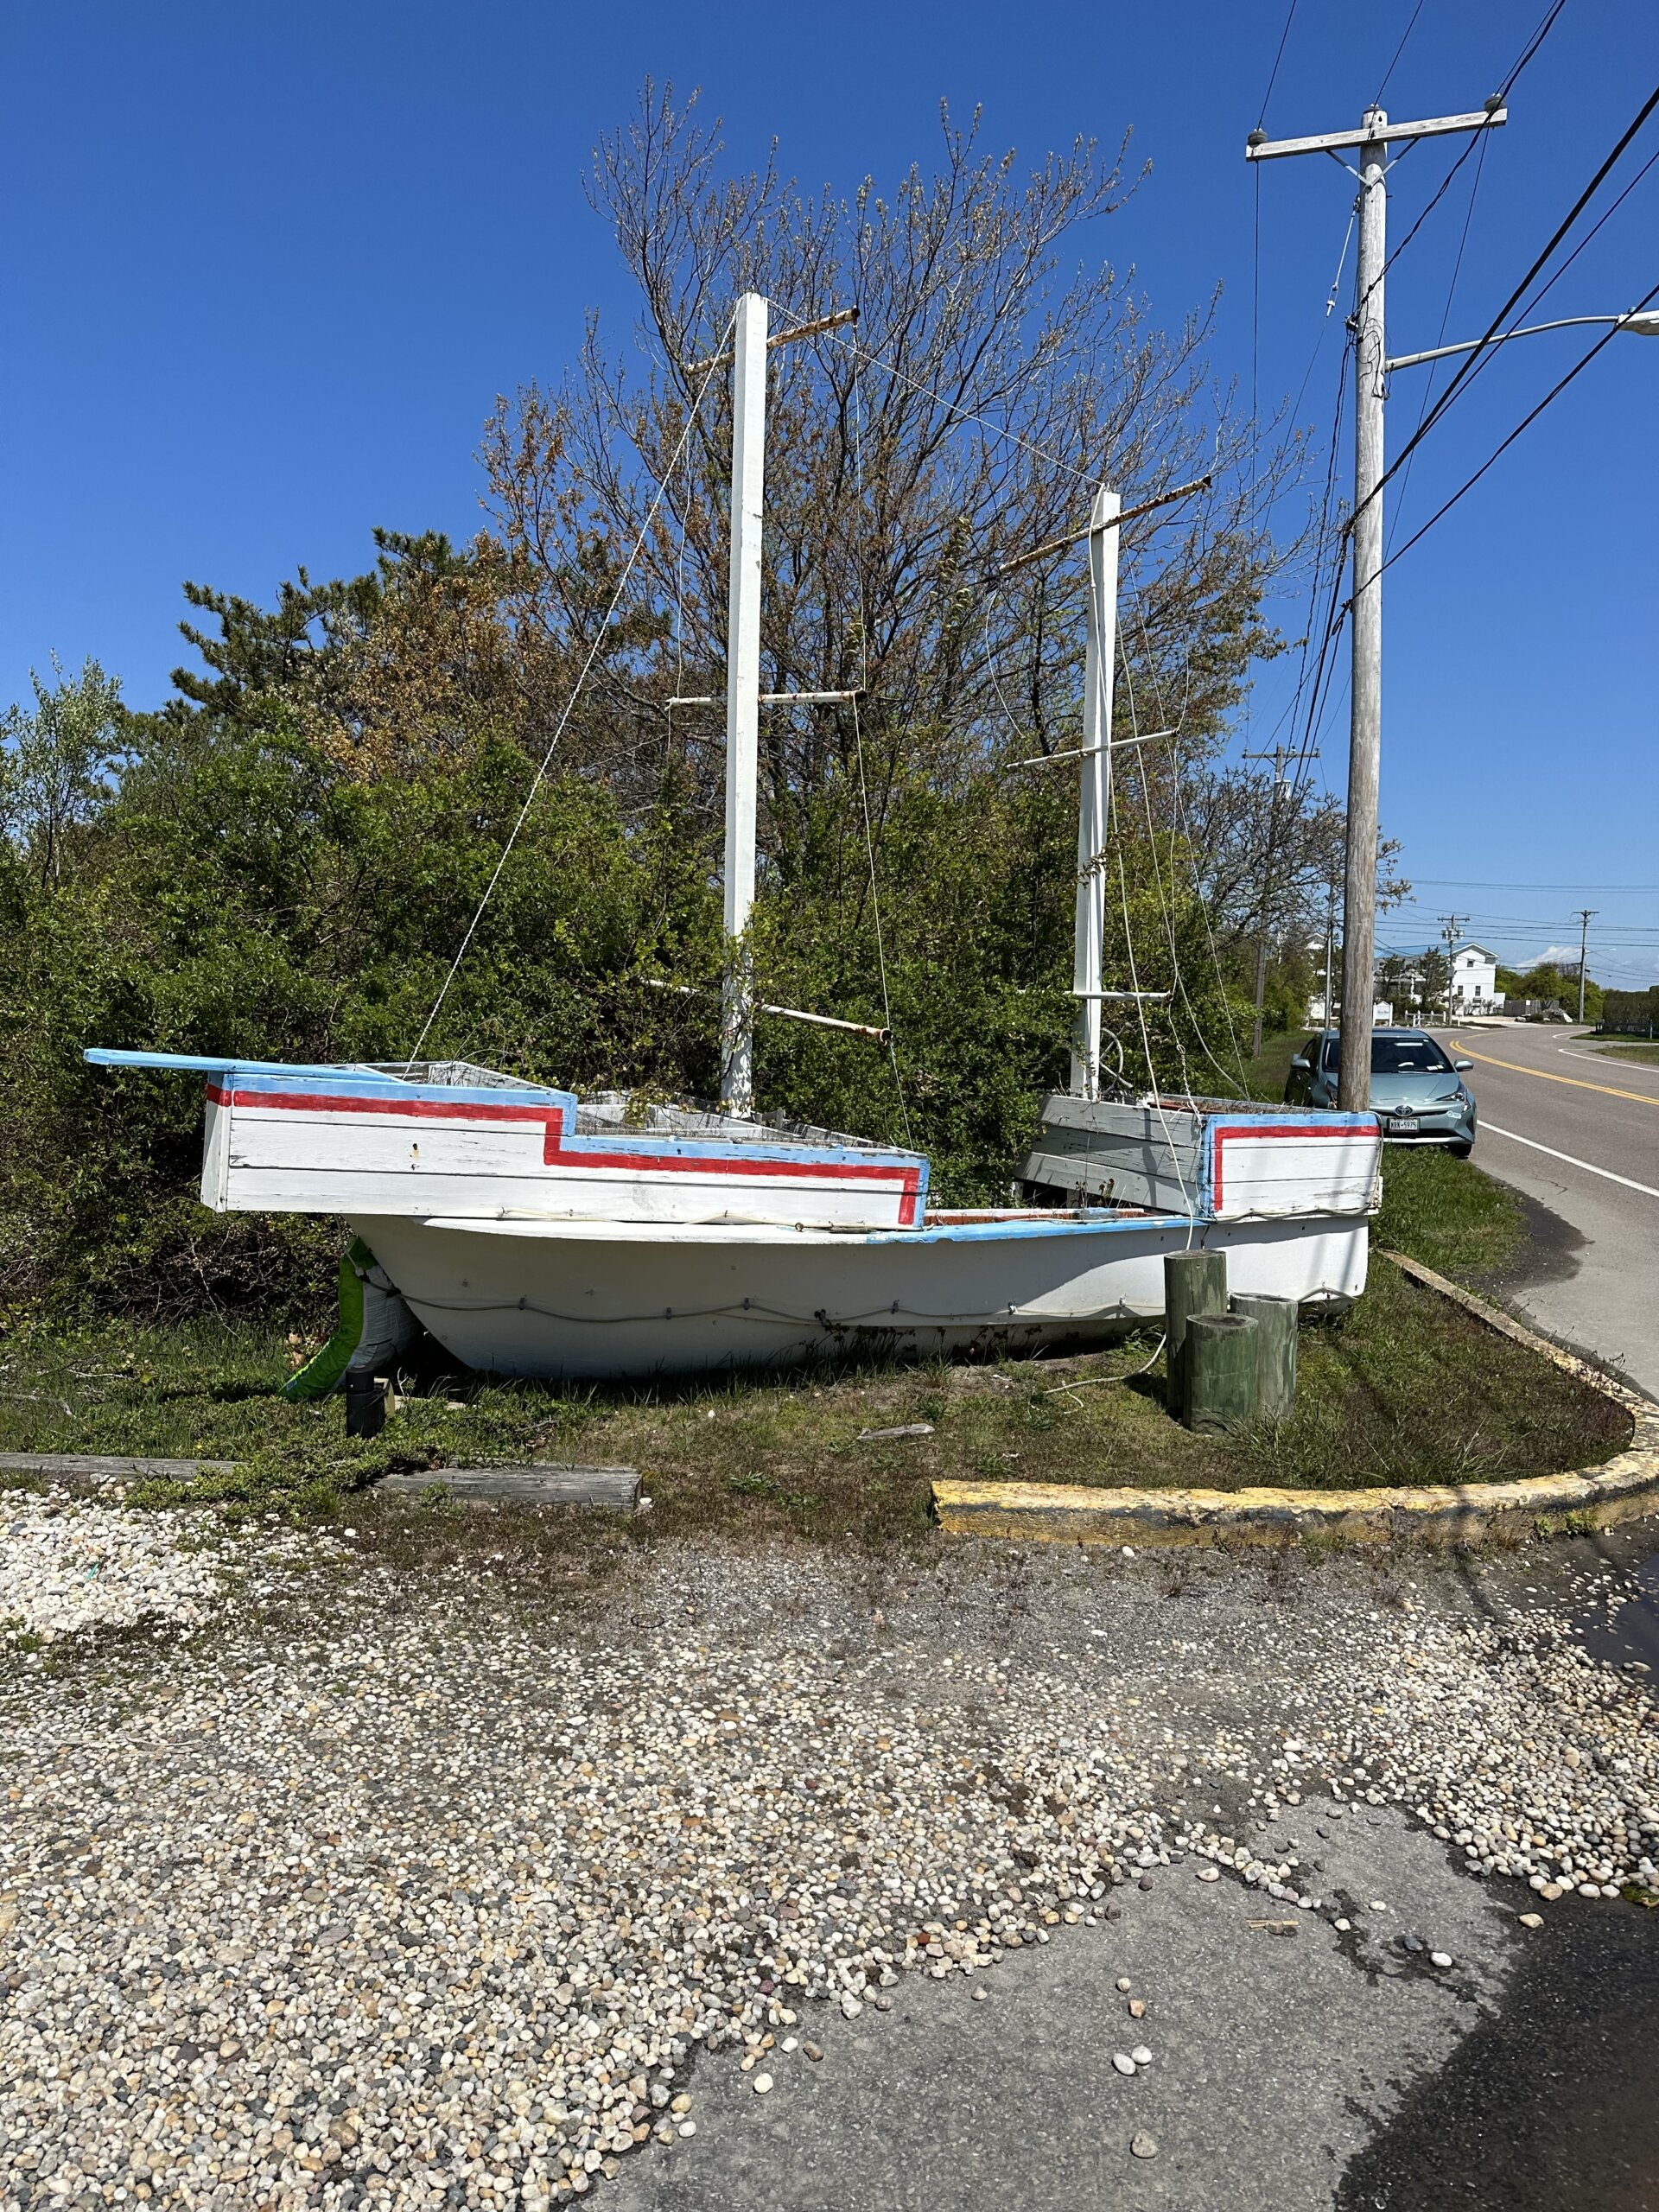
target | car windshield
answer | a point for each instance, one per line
(1395, 1056)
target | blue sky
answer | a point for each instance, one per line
(267, 268)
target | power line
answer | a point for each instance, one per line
(1482, 139)
(1398, 51)
(1544, 290)
(1272, 76)
(1502, 94)
(1486, 883)
(1555, 392)
(1477, 351)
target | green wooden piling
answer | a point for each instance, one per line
(1221, 1391)
(1275, 1320)
(1194, 1282)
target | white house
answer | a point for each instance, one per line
(1474, 983)
(1474, 979)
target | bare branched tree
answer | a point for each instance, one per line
(993, 380)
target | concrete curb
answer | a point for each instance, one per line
(1593, 1497)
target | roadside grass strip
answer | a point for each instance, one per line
(1593, 1497)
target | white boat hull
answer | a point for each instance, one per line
(563, 1299)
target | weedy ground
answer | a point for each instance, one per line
(1404, 1388)
(1628, 1048)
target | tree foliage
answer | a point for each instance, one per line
(283, 861)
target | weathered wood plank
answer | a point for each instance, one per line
(104, 1466)
(616, 1489)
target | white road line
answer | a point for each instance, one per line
(1490, 1128)
(1601, 1060)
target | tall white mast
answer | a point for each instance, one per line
(743, 696)
(1095, 803)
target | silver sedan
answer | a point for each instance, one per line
(1417, 1093)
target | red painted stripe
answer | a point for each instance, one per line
(555, 1156)
(1282, 1129)
(419, 1109)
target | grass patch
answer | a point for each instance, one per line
(1446, 1212)
(1408, 1388)
(1629, 1048)
(1403, 1389)
(1267, 1074)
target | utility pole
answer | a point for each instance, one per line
(1370, 144)
(1449, 925)
(1584, 915)
(1330, 1022)
(1278, 754)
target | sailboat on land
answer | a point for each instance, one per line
(536, 1234)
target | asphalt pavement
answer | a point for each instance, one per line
(1577, 1133)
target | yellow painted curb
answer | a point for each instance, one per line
(1593, 1497)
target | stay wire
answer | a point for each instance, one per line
(599, 634)
(1177, 834)
(1167, 908)
(951, 406)
(1146, 1037)
(1157, 878)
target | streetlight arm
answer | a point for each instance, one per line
(1644, 324)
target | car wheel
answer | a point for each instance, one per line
(1461, 1151)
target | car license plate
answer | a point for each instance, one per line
(1403, 1124)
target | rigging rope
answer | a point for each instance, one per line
(875, 913)
(634, 552)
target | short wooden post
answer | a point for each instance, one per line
(1194, 1282)
(366, 1403)
(1275, 1320)
(1220, 1372)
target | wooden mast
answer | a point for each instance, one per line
(1093, 805)
(743, 698)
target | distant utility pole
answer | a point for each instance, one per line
(1330, 953)
(1278, 754)
(1449, 930)
(1584, 917)
(1370, 142)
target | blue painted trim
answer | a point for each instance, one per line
(375, 1083)
(271, 1078)
(105, 1056)
(989, 1232)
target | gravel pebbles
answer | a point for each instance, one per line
(385, 1894)
(70, 1565)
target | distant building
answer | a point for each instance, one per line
(1474, 981)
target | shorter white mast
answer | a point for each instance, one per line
(1094, 807)
(743, 698)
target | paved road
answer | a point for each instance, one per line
(1578, 1133)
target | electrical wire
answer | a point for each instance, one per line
(1273, 75)
(1526, 423)
(1483, 138)
(1478, 352)
(1398, 51)
(1504, 89)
